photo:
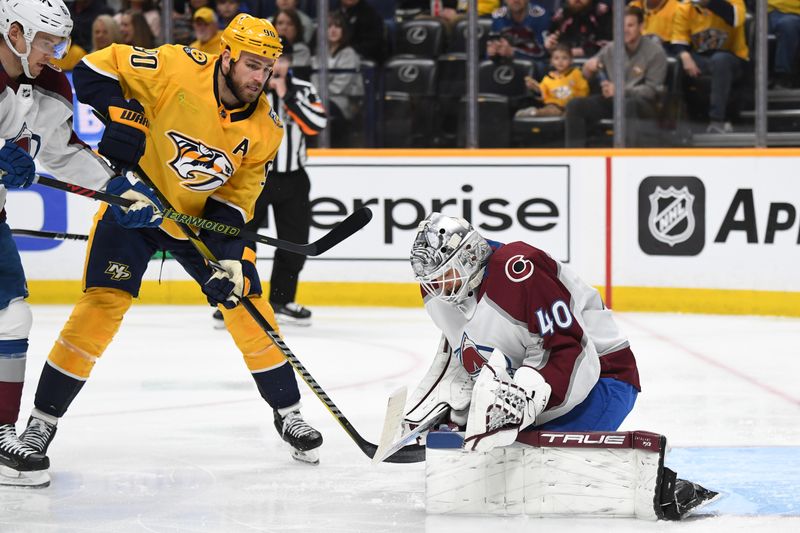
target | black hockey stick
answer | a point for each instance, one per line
(357, 220)
(49, 235)
(410, 454)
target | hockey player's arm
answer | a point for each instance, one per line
(235, 255)
(305, 108)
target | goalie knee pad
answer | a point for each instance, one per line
(89, 330)
(259, 352)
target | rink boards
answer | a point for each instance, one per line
(661, 230)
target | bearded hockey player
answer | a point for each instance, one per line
(526, 344)
(202, 129)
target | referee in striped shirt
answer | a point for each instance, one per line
(287, 188)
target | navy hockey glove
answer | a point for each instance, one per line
(227, 287)
(145, 213)
(17, 170)
(123, 140)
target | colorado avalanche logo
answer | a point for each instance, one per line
(471, 357)
(518, 268)
(201, 168)
(27, 140)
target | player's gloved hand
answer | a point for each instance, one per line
(500, 406)
(146, 210)
(17, 170)
(227, 287)
(123, 140)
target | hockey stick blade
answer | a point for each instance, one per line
(49, 235)
(347, 227)
(392, 423)
(401, 444)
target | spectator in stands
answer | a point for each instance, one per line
(658, 19)
(83, 14)
(366, 29)
(135, 30)
(306, 22)
(582, 24)
(784, 22)
(345, 89)
(227, 9)
(105, 32)
(709, 38)
(520, 28)
(290, 28)
(146, 8)
(558, 87)
(206, 30)
(645, 72)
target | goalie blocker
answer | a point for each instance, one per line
(550, 473)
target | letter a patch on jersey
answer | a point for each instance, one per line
(200, 167)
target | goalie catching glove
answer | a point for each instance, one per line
(501, 407)
(146, 210)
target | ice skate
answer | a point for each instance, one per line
(219, 322)
(303, 439)
(21, 465)
(40, 431)
(680, 497)
(291, 313)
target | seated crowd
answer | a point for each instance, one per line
(687, 65)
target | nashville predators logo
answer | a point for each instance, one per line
(118, 271)
(200, 167)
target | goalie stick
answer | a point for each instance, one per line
(347, 227)
(49, 235)
(390, 442)
(404, 456)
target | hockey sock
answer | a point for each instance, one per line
(56, 391)
(278, 386)
(15, 324)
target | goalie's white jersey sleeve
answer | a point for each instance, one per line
(539, 313)
(37, 115)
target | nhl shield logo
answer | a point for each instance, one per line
(672, 215)
(671, 219)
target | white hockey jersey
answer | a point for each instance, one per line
(541, 314)
(37, 115)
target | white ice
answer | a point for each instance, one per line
(170, 434)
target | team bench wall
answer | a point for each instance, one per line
(657, 230)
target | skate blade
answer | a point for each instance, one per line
(702, 503)
(310, 457)
(31, 480)
(284, 320)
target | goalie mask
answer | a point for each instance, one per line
(448, 257)
(35, 16)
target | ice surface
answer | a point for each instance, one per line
(170, 434)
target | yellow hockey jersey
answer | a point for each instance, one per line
(785, 6)
(704, 31)
(196, 148)
(559, 89)
(658, 20)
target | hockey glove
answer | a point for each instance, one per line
(227, 287)
(17, 170)
(123, 140)
(144, 213)
(500, 406)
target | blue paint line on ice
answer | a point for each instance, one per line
(754, 481)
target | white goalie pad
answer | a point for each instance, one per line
(544, 474)
(445, 386)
